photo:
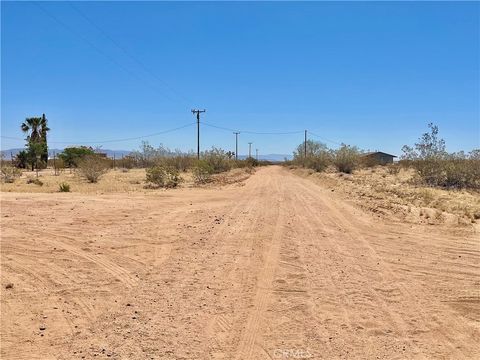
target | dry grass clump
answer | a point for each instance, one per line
(397, 195)
(9, 173)
(34, 180)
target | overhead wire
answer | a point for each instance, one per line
(324, 138)
(100, 51)
(112, 140)
(252, 132)
(127, 53)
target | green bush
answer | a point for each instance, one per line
(346, 158)
(202, 172)
(218, 159)
(64, 187)
(163, 176)
(93, 167)
(318, 157)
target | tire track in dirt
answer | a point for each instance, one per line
(117, 271)
(397, 289)
(247, 346)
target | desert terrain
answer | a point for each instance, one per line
(273, 266)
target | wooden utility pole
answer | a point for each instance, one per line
(236, 144)
(305, 150)
(256, 155)
(250, 149)
(305, 145)
(54, 164)
(198, 129)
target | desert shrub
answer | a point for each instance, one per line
(218, 159)
(393, 169)
(317, 157)
(163, 176)
(251, 162)
(93, 167)
(9, 173)
(346, 158)
(202, 172)
(64, 187)
(35, 181)
(449, 173)
(181, 162)
(435, 167)
(128, 162)
(318, 162)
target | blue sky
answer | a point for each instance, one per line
(368, 74)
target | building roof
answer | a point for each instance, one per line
(377, 152)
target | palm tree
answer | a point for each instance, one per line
(36, 128)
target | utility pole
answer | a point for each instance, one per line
(198, 129)
(256, 150)
(54, 164)
(305, 149)
(305, 145)
(250, 149)
(113, 161)
(236, 144)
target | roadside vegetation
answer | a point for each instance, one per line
(434, 166)
(162, 167)
(428, 184)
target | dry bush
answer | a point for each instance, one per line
(436, 167)
(128, 162)
(393, 169)
(346, 159)
(448, 173)
(218, 159)
(202, 172)
(9, 173)
(163, 176)
(179, 162)
(92, 167)
(36, 181)
(318, 162)
(64, 187)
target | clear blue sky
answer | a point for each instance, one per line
(369, 74)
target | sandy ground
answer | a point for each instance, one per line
(279, 268)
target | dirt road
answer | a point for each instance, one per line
(278, 268)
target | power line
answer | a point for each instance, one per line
(324, 138)
(113, 140)
(127, 53)
(99, 50)
(252, 132)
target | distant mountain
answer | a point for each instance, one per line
(270, 157)
(13, 152)
(119, 153)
